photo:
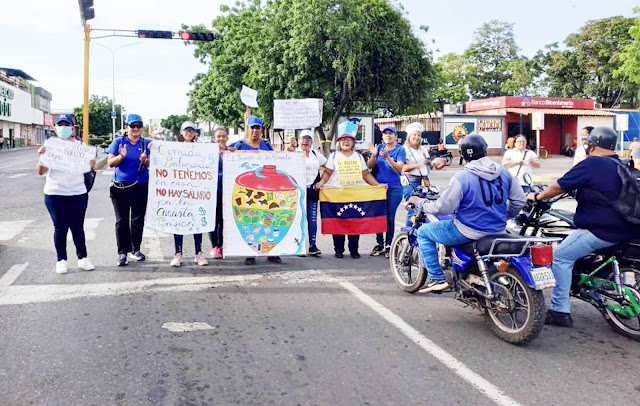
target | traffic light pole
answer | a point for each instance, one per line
(85, 107)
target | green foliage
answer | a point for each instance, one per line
(349, 53)
(95, 141)
(630, 56)
(99, 115)
(523, 74)
(173, 123)
(456, 76)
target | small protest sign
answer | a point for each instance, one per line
(249, 97)
(349, 172)
(292, 114)
(67, 155)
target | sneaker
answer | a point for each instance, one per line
(377, 250)
(122, 260)
(250, 261)
(217, 252)
(61, 266)
(177, 260)
(339, 255)
(386, 251)
(275, 260)
(435, 285)
(212, 253)
(85, 264)
(200, 259)
(313, 250)
(558, 319)
(138, 256)
(355, 255)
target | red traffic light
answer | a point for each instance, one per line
(197, 36)
(186, 36)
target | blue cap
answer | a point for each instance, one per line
(390, 128)
(134, 118)
(254, 121)
(64, 118)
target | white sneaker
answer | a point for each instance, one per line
(200, 259)
(177, 260)
(86, 264)
(61, 266)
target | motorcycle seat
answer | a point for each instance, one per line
(483, 245)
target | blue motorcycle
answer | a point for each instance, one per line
(501, 275)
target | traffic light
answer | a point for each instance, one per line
(154, 34)
(197, 36)
(86, 10)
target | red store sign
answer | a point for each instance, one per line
(529, 103)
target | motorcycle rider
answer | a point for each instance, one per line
(478, 195)
(599, 225)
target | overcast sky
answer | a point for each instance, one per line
(45, 39)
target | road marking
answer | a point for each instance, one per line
(17, 163)
(9, 229)
(186, 327)
(487, 388)
(152, 245)
(10, 276)
(19, 175)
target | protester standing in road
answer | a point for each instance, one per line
(66, 198)
(389, 158)
(221, 137)
(418, 165)
(582, 145)
(632, 147)
(254, 142)
(188, 133)
(313, 162)
(520, 161)
(293, 144)
(345, 144)
(129, 155)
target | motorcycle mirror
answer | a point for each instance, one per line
(527, 179)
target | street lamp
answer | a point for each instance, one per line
(113, 83)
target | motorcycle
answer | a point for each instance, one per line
(608, 279)
(501, 275)
(446, 154)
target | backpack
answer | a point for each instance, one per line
(628, 202)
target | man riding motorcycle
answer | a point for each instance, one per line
(597, 182)
(478, 196)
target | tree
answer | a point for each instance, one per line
(586, 68)
(492, 50)
(173, 123)
(455, 78)
(349, 53)
(630, 57)
(523, 74)
(99, 115)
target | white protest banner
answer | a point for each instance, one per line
(292, 114)
(68, 155)
(264, 203)
(249, 97)
(183, 182)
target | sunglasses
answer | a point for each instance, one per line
(189, 130)
(135, 125)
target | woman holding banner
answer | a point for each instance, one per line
(66, 198)
(188, 133)
(314, 161)
(220, 136)
(389, 158)
(346, 142)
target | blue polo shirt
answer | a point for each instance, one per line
(127, 171)
(386, 174)
(597, 182)
(243, 146)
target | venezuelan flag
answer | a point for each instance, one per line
(354, 210)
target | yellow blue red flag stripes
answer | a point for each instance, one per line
(354, 210)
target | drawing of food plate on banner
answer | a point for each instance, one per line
(183, 179)
(264, 204)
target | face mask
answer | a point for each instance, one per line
(64, 132)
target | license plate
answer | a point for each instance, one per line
(543, 278)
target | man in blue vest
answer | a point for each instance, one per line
(478, 196)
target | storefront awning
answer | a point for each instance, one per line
(561, 112)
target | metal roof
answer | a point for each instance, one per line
(561, 112)
(19, 73)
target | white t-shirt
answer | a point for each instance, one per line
(313, 162)
(60, 183)
(516, 155)
(339, 156)
(418, 155)
(580, 154)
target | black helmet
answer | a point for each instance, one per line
(473, 146)
(604, 137)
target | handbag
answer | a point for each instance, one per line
(89, 179)
(313, 194)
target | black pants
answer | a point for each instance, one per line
(216, 235)
(178, 239)
(67, 212)
(130, 205)
(338, 243)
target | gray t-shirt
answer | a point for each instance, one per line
(636, 153)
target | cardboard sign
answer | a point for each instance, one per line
(297, 113)
(249, 97)
(68, 155)
(183, 180)
(349, 172)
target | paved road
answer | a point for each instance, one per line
(311, 331)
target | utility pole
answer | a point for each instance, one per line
(86, 13)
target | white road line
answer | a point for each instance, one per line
(18, 163)
(152, 244)
(10, 276)
(9, 229)
(487, 388)
(19, 175)
(186, 327)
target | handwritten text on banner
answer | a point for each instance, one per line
(294, 114)
(67, 156)
(349, 172)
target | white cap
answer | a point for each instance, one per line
(306, 133)
(413, 127)
(188, 124)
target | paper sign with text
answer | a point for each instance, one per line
(249, 97)
(349, 172)
(183, 180)
(68, 156)
(292, 114)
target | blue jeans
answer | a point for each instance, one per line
(312, 220)
(394, 197)
(443, 232)
(67, 213)
(575, 246)
(406, 193)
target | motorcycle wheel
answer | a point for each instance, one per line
(517, 313)
(627, 326)
(448, 160)
(409, 277)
